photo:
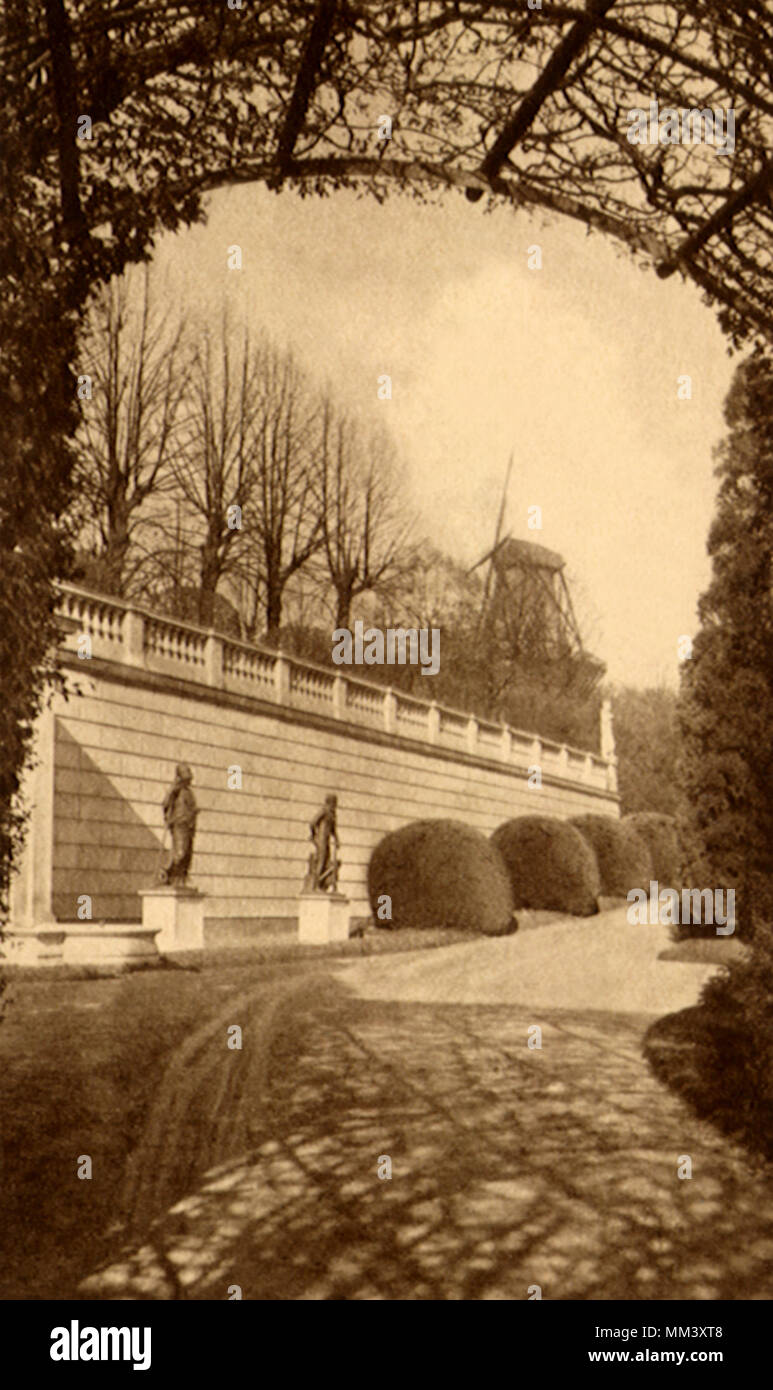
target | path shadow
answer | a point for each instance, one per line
(510, 1168)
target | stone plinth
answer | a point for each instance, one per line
(41, 945)
(79, 943)
(176, 913)
(91, 943)
(322, 917)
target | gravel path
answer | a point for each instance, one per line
(513, 1168)
(598, 963)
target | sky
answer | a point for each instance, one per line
(573, 368)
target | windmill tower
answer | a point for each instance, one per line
(526, 599)
(531, 604)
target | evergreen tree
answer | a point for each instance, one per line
(726, 701)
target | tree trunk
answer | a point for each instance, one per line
(273, 608)
(209, 576)
(343, 605)
(113, 558)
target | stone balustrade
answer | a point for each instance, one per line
(95, 626)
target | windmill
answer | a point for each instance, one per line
(531, 605)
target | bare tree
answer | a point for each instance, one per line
(364, 532)
(133, 382)
(284, 527)
(216, 469)
(437, 590)
(244, 499)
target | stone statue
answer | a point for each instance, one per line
(180, 812)
(607, 731)
(322, 872)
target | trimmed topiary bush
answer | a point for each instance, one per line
(623, 857)
(661, 836)
(549, 865)
(441, 873)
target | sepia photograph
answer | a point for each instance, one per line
(386, 620)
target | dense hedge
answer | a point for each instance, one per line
(673, 848)
(549, 865)
(661, 836)
(740, 999)
(697, 873)
(441, 873)
(719, 1054)
(623, 857)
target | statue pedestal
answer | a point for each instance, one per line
(177, 914)
(322, 917)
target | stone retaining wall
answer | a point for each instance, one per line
(154, 693)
